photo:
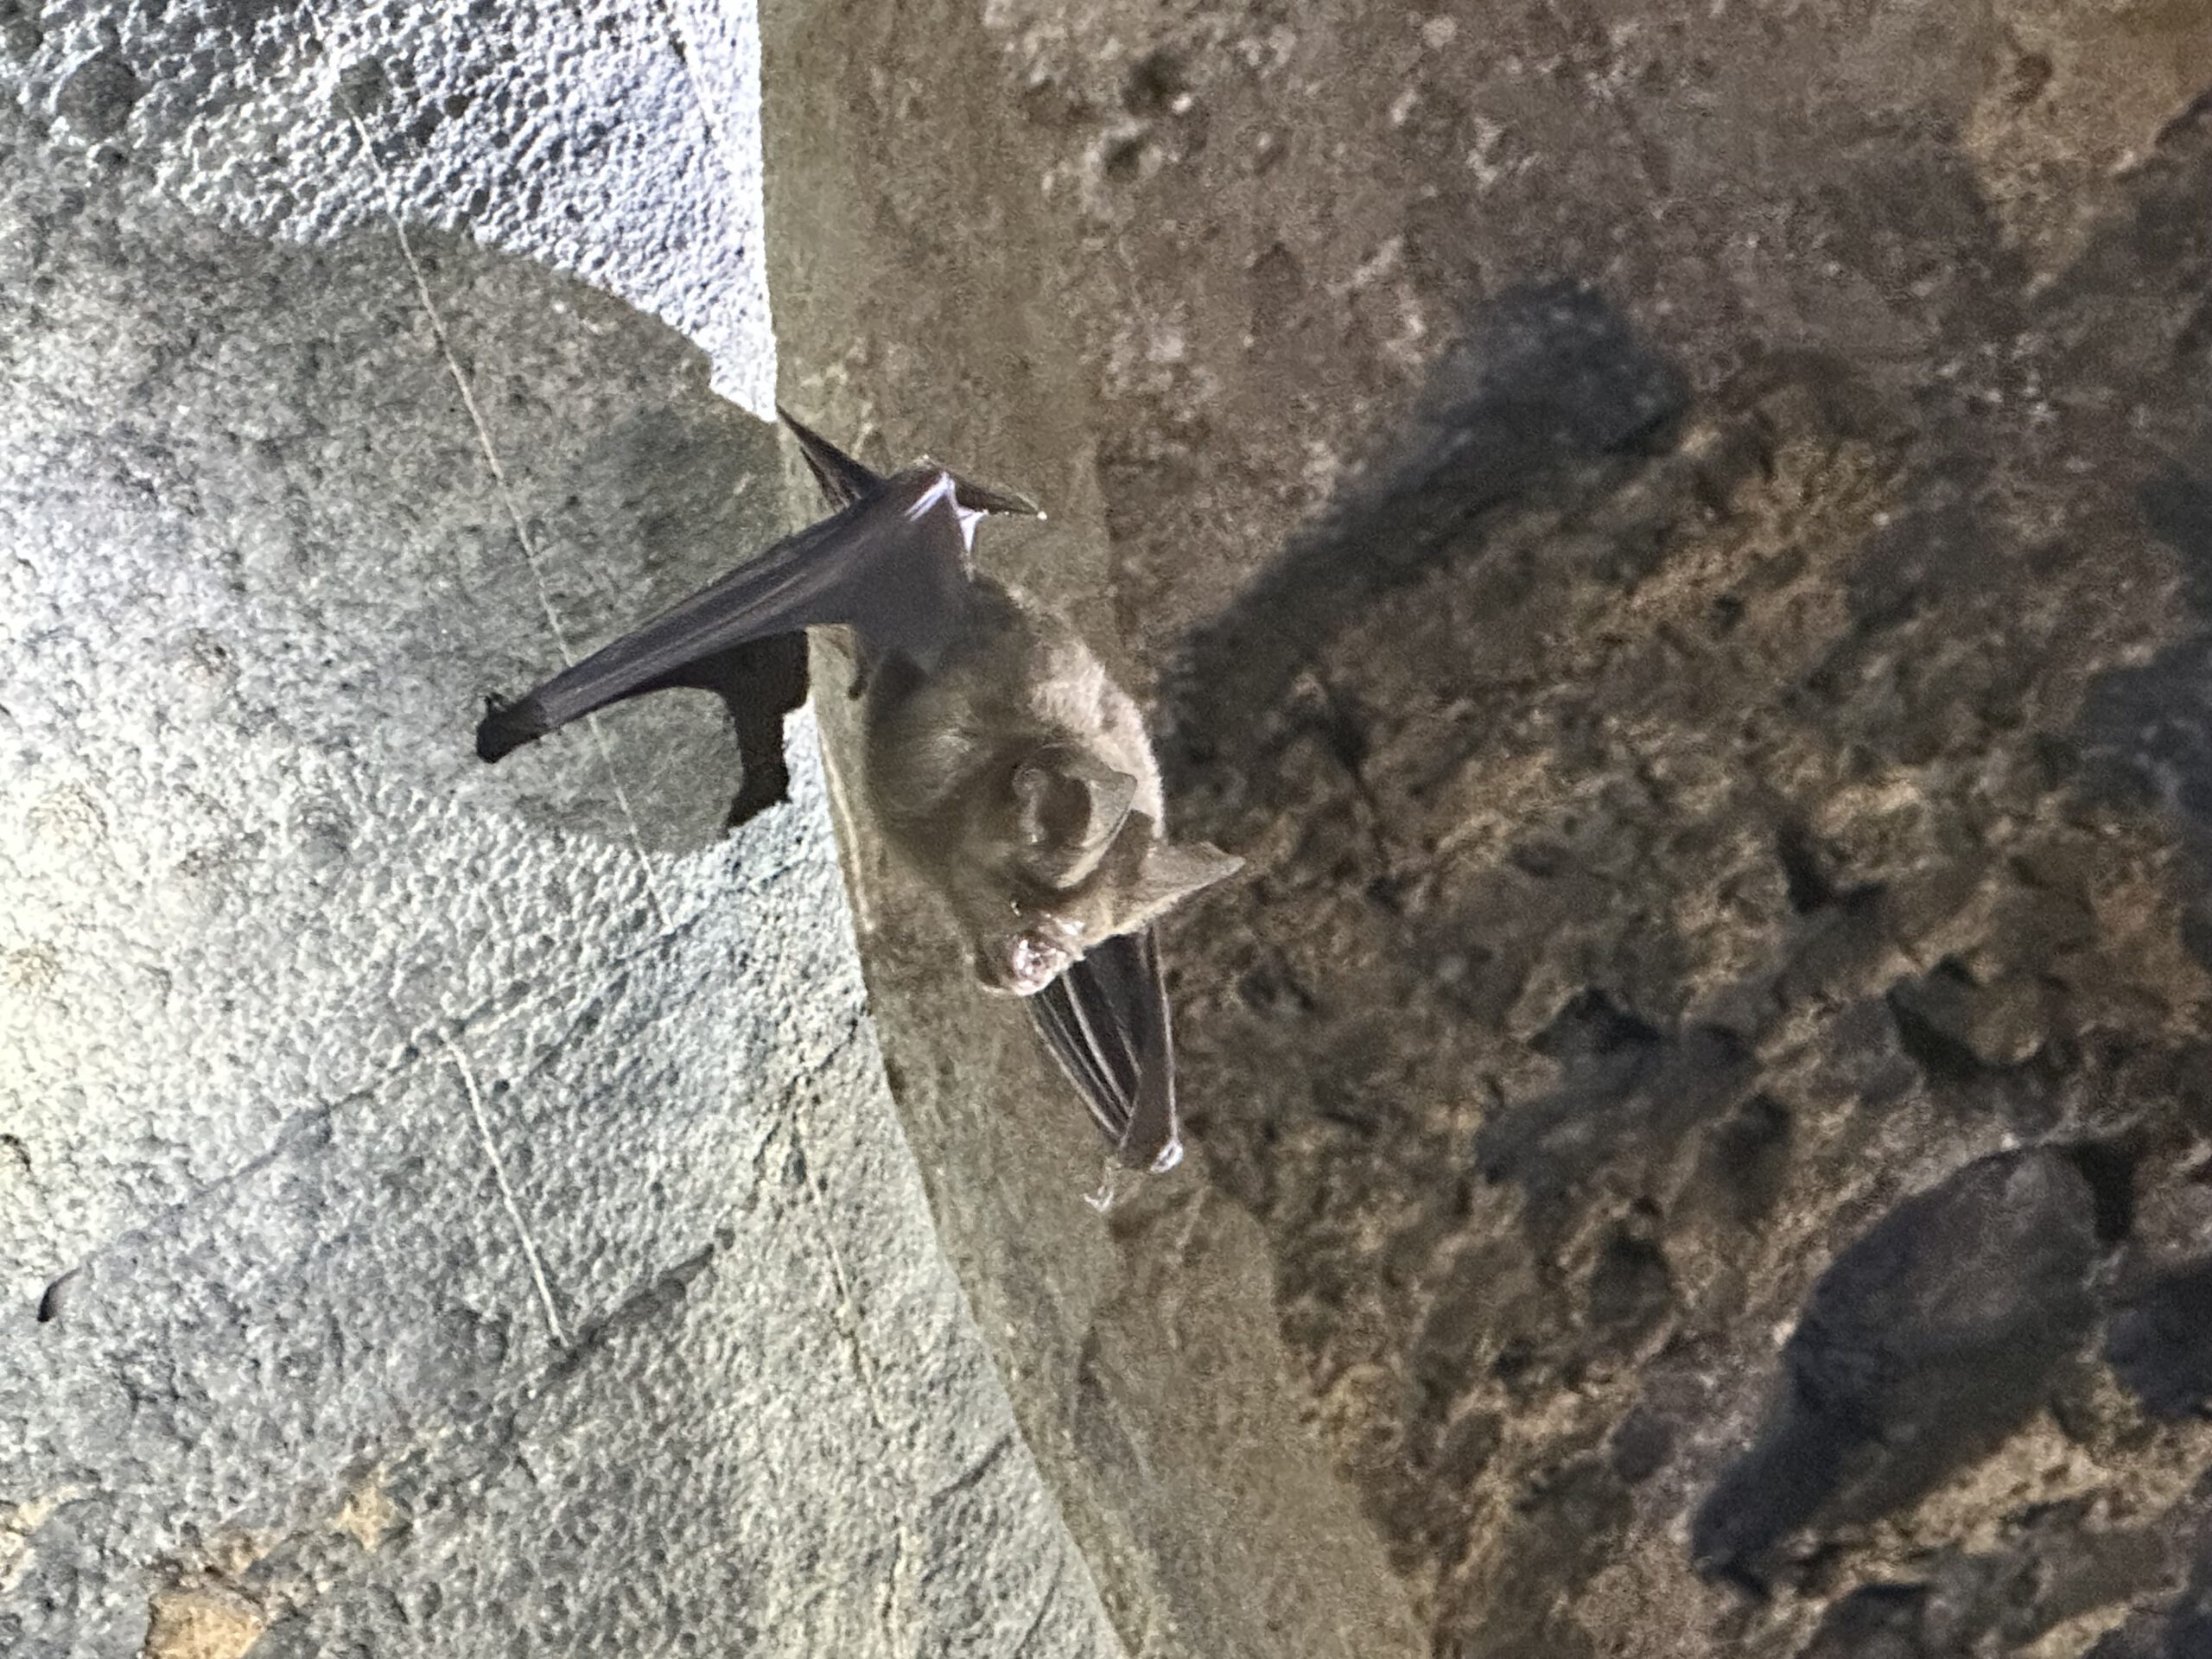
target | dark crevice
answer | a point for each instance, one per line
(2109, 1168)
(1922, 1010)
(50, 1305)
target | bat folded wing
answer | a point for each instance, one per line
(1106, 1021)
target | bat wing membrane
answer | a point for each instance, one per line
(893, 565)
(1106, 1021)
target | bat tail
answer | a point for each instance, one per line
(843, 479)
(508, 726)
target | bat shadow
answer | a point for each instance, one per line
(1546, 378)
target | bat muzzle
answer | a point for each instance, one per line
(1026, 963)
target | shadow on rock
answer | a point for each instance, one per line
(1546, 378)
(2152, 724)
(1919, 1350)
(1622, 1079)
(1876, 1621)
(1671, 837)
(2161, 1345)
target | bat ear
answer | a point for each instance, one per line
(1171, 871)
(1069, 805)
(981, 498)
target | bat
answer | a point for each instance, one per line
(1105, 1017)
(1004, 765)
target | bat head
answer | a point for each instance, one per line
(1118, 887)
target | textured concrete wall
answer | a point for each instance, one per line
(442, 1210)
(617, 143)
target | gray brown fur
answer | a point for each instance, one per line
(1017, 779)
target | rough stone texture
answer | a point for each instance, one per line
(1674, 536)
(443, 1210)
(619, 142)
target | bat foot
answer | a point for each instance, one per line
(1102, 1197)
(1107, 1193)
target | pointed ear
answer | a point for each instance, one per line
(1069, 805)
(1173, 871)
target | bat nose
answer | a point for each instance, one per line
(1024, 964)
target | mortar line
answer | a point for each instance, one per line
(530, 552)
(491, 454)
(460, 1059)
(427, 1039)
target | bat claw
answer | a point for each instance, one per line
(1102, 1197)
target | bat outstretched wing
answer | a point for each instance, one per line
(892, 564)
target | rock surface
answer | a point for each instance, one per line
(618, 144)
(443, 1210)
(1674, 536)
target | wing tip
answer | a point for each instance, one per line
(842, 479)
(508, 726)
